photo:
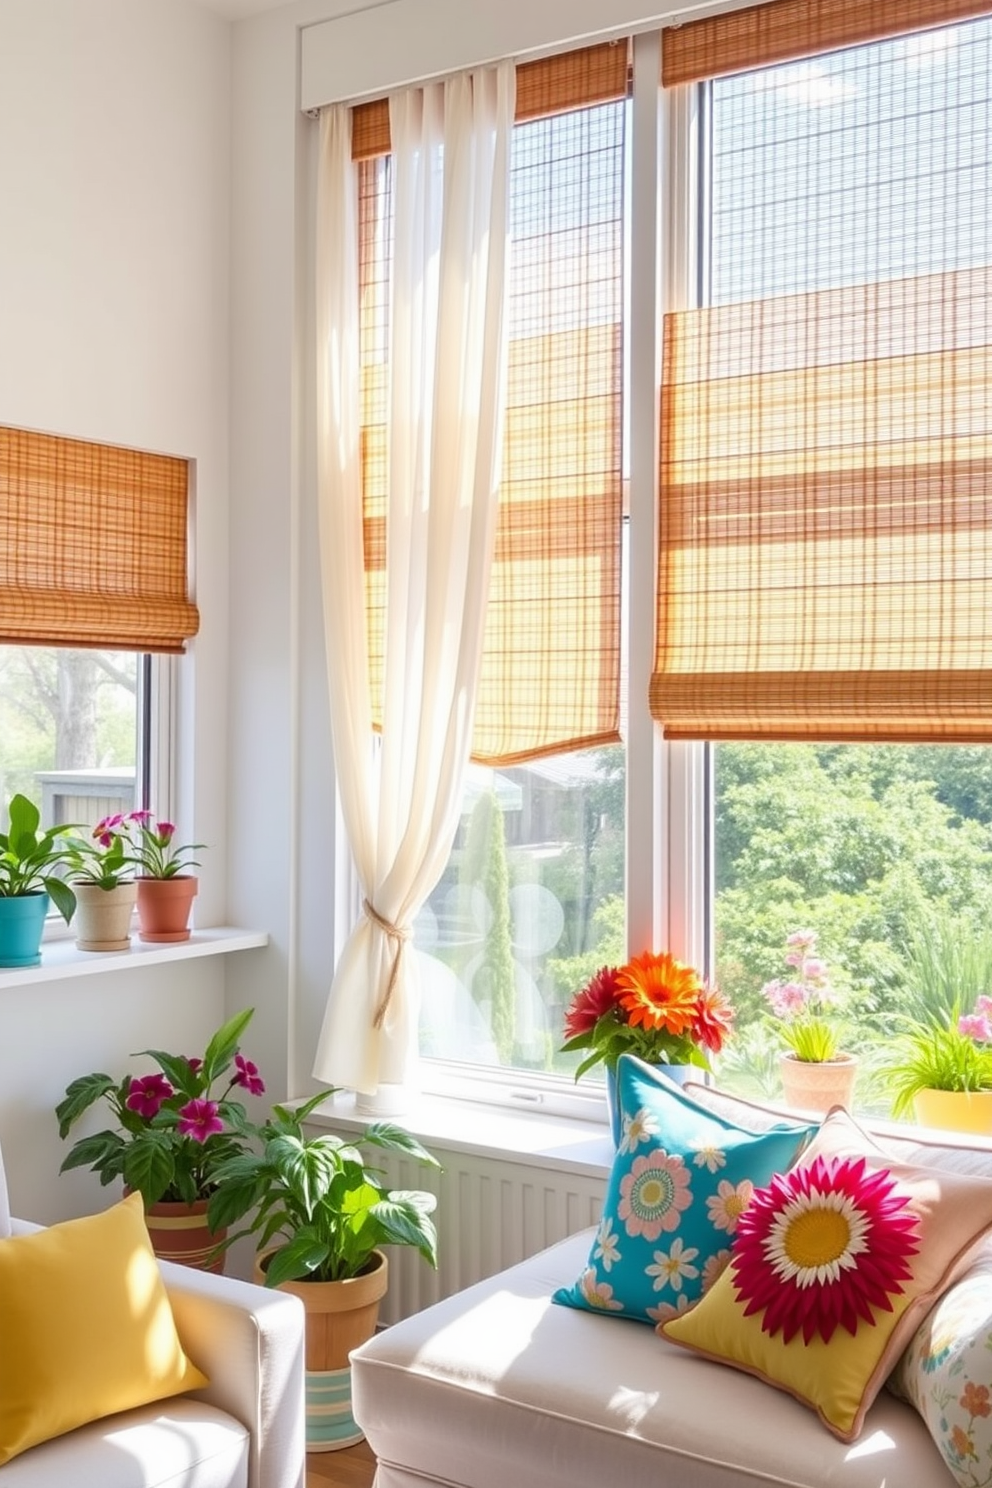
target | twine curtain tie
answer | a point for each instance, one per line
(400, 935)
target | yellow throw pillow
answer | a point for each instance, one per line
(86, 1327)
(910, 1232)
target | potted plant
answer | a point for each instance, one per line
(655, 1007)
(941, 1070)
(322, 1213)
(166, 888)
(173, 1131)
(816, 1073)
(102, 878)
(29, 860)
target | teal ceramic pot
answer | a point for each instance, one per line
(679, 1074)
(22, 921)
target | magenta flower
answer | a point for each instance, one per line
(147, 1094)
(248, 1076)
(141, 817)
(195, 1063)
(199, 1119)
(166, 832)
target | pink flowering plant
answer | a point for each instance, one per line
(153, 847)
(103, 857)
(946, 1052)
(804, 1002)
(172, 1128)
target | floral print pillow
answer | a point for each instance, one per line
(946, 1372)
(681, 1179)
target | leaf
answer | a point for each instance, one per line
(149, 1166)
(231, 1200)
(176, 1070)
(62, 897)
(103, 1152)
(404, 1222)
(300, 1258)
(385, 1134)
(79, 1096)
(224, 1045)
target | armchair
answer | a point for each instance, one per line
(244, 1430)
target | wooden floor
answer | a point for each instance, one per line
(352, 1467)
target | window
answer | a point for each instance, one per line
(863, 172)
(93, 580)
(860, 174)
(70, 730)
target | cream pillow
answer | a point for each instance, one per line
(86, 1327)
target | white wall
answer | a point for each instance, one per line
(156, 180)
(114, 316)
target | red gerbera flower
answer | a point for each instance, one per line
(712, 1019)
(823, 1246)
(599, 996)
(659, 992)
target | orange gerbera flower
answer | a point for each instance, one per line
(659, 992)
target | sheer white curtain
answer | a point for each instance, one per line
(450, 158)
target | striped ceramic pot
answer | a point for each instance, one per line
(339, 1316)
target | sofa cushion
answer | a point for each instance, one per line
(497, 1387)
(839, 1370)
(946, 1373)
(681, 1177)
(176, 1444)
(86, 1326)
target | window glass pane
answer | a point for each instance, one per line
(529, 906)
(869, 164)
(69, 730)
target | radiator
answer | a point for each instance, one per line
(490, 1214)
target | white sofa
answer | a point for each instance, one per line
(246, 1430)
(499, 1387)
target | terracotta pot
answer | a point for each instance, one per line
(164, 906)
(818, 1086)
(103, 916)
(340, 1315)
(179, 1233)
(955, 1110)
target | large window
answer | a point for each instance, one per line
(861, 175)
(870, 166)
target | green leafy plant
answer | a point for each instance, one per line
(318, 1202)
(804, 1002)
(173, 1130)
(153, 848)
(102, 858)
(29, 858)
(952, 1053)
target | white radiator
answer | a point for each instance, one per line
(490, 1214)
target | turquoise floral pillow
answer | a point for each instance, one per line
(680, 1180)
(946, 1373)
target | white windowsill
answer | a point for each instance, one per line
(533, 1139)
(62, 959)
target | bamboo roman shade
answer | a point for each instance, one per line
(551, 663)
(826, 454)
(784, 30)
(94, 545)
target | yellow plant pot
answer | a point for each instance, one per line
(955, 1110)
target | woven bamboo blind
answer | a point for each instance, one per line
(784, 30)
(94, 545)
(550, 85)
(551, 662)
(826, 501)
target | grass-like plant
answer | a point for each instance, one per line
(951, 1055)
